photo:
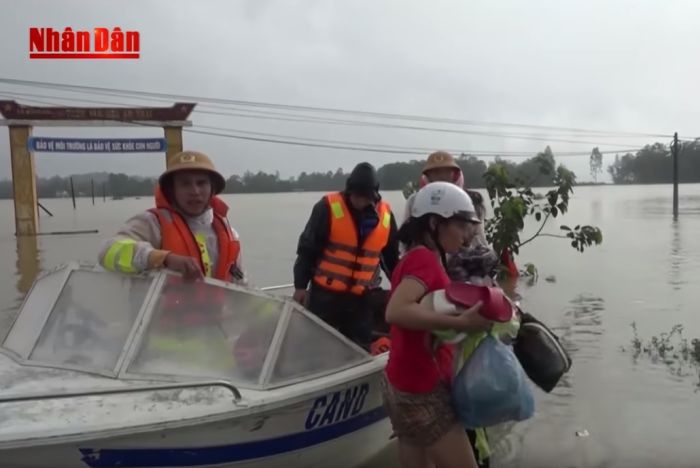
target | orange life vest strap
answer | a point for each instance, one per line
(344, 264)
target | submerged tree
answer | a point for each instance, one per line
(596, 163)
(513, 202)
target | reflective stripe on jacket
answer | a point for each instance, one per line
(144, 241)
(345, 265)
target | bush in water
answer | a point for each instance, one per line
(682, 357)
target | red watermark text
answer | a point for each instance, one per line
(100, 43)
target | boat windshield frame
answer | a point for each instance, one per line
(141, 322)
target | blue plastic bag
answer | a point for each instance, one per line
(491, 387)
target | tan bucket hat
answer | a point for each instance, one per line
(193, 161)
(440, 159)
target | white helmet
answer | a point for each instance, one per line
(444, 199)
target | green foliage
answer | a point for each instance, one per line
(532, 172)
(664, 346)
(512, 203)
(653, 164)
(400, 175)
(529, 274)
(122, 185)
(669, 348)
(392, 176)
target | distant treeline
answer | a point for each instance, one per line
(652, 164)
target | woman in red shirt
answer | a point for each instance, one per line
(416, 384)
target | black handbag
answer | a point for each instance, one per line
(540, 353)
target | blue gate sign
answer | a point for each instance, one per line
(96, 145)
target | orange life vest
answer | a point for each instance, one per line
(177, 237)
(345, 265)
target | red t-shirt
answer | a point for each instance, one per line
(413, 366)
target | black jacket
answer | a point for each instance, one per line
(315, 236)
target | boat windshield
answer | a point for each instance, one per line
(158, 327)
(77, 319)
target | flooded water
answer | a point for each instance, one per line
(628, 412)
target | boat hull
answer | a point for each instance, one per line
(343, 426)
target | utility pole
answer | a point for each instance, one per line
(675, 176)
(72, 192)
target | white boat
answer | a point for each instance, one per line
(106, 370)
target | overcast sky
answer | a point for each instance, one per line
(624, 66)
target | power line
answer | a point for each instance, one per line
(396, 150)
(383, 115)
(377, 124)
(12, 96)
(260, 114)
(344, 145)
(420, 128)
(292, 117)
(417, 150)
(353, 146)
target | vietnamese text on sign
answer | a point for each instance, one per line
(97, 145)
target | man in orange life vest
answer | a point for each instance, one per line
(349, 236)
(187, 231)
